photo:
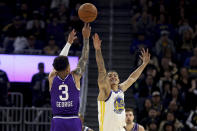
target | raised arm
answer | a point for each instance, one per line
(71, 37)
(99, 58)
(78, 72)
(104, 86)
(145, 57)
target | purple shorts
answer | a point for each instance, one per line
(66, 124)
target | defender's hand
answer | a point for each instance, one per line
(96, 41)
(72, 36)
(145, 56)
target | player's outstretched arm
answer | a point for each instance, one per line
(78, 72)
(145, 57)
(101, 66)
(71, 37)
(99, 57)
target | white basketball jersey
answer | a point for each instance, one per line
(111, 112)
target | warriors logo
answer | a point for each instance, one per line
(118, 105)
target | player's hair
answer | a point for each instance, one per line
(129, 109)
(112, 71)
(60, 63)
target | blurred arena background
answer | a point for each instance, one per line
(165, 94)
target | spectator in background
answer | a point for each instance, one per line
(4, 86)
(51, 48)
(163, 25)
(146, 87)
(57, 3)
(20, 43)
(39, 89)
(11, 32)
(56, 29)
(191, 120)
(163, 44)
(140, 42)
(152, 115)
(195, 34)
(157, 102)
(170, 118)
(184, 80)
(184, 26)
(168, 69)
(34, 46)
(76, 48)
(144, 113)
(36, 26)
(75, 22)
(63, 14)
(192, 93)
(177, 97)
(174, 107)
(194, 56)
(152, 125)
(187, 43)
(169, 127)
(191, 63)
(144, 23)
(166, 93)
(24, 11)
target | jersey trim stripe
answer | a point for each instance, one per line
(66, 117)
(102, 109)
(101, 115)
(108, 96)
(75, 82)
(61, 78)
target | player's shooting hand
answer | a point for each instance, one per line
(145, 56)
(86, 31)
(96, 41)
(72, 36)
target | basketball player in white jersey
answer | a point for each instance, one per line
(130, 124)
(111, 107)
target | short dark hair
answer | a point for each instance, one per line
(60, 63)
(40, 65)
(129, 109)
(112, 71)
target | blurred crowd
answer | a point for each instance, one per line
(166, 93)
(38, 27)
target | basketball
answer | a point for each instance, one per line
(87, 12)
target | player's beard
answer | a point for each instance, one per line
(129, 122)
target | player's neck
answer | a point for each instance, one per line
(114, 87)
(129, 126)
(62, 75)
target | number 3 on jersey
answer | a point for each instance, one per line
(64, 89)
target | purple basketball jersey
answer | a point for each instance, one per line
(135, 127)
(64, 97)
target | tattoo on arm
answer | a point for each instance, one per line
(84, 58)
(100, 62)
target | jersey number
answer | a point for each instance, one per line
(64, 89)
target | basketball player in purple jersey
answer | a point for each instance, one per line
(130, 125)
(65, 86)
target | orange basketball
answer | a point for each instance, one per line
(87, 12)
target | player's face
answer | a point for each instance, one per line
(129, 117)
(113, 78)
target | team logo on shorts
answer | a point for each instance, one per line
(118, 105)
